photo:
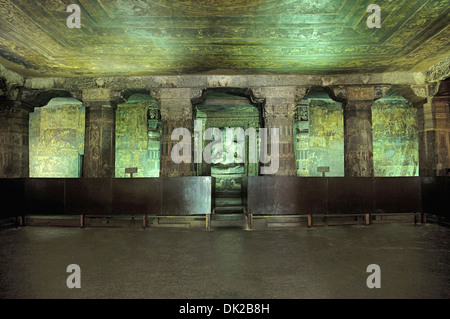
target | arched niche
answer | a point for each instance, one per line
(319, 135)
(395, 136)
(227, 108)
(235, 116)
(138, 137)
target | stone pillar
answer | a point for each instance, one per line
(427, 139)
(14, 154)
(433, 122)
(176, 112)
(279, 111)
(358, 146)
(434, 133)
(99, 154)
(441, 114)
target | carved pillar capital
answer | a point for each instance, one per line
(196, 93)
(176, 102)
(96, 95)
(357, 93)
(280, 101)
(381, 91)
(96, 98)
(439, 72)
(296, 93)
(419, 94)
(176, 93)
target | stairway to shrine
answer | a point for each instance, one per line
(228, 196)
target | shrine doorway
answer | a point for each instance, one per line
(231, 162)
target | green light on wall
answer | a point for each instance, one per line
(138, 137)
(56, 139)
(319, 138)
(395, 139)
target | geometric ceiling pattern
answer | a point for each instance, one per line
(166, 37)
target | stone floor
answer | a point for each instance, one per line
(323, 262)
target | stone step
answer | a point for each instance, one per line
(227, 216)
(227, 194)
(228, 220)
(223, 202)
(229, 210)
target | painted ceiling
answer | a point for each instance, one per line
(162, 37)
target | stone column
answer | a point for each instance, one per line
(441, 114)
(433, 122)
(176, 112)
(434, 133)
(14, 154)
(99, 154)
(358, 146)
(279, 111)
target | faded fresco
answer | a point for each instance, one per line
(319, 138)
(57, 139)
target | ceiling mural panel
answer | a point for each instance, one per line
(162, 37)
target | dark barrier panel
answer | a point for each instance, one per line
(397, 195)
(12, 197)
(186, 195)
(350, 195)
(272, 195)
(89, 196)
(137, 196)
(106, 196)
(44, 196)
(285, 195)
(436, 196)
(192, 195)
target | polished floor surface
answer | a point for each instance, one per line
(323, 262)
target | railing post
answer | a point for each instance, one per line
(424, 218)
(208, 222)
(367, 219)
(309, 220)
(21, 220)
(144, 221)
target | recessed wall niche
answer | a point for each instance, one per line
(57, 139)
(138, 137)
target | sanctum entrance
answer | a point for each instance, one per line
(230, 164)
